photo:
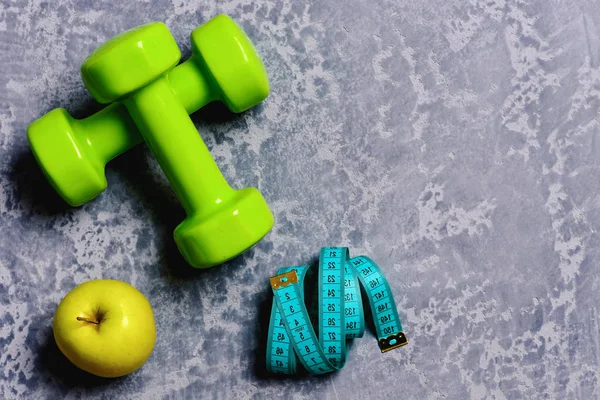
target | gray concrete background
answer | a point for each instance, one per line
(454, 142)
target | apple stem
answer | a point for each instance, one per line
(87, 320)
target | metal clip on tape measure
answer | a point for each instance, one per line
(340, 313)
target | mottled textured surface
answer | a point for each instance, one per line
(454, 142)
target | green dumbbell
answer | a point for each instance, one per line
(134, 68)
(73, 153)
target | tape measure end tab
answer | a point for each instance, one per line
(392, 342)
(283, 280)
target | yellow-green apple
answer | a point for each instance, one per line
(105, 327)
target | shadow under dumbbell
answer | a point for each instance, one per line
(158, 199)
(87, 107)
(152, 195)
(32, 191)
(215, 113)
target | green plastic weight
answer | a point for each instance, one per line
(136, 69)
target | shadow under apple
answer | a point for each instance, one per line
(53, 363)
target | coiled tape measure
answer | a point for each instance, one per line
(338, 315)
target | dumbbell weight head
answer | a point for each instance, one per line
(130, 61)
(221, 222)
(234, 65)
(72, 153)
(208, 240)
(70, 164)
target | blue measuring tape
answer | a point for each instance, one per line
(337, 316)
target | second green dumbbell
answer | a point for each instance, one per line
(73, 153)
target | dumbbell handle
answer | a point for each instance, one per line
(173, 139)
(112, 131)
